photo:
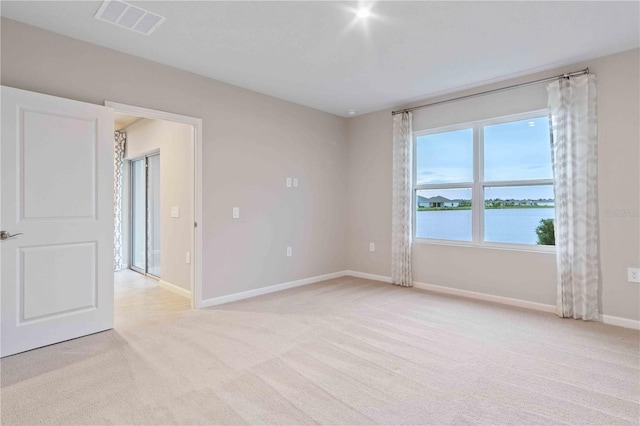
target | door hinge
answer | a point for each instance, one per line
(195, 224)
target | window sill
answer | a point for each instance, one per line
(490, 246)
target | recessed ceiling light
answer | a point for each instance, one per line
(352, 112)
(532, 123)
(363, 12)
(125, 15)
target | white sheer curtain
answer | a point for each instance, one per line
(402, 195)
(572, 105)
(118, 159)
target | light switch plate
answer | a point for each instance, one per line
(236, 212)
(289, 252)
(288, 182)
(372, 246)
(175, 211)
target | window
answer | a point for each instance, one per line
(145, 215)
(486, 183)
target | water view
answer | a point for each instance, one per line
(509, 225)
(515, 154)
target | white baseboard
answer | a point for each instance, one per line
(271, 289)
(607, 319)
(368, 276)
(486, 297)
(174, 288)
(621, 322)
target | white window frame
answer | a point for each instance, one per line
(478, 185)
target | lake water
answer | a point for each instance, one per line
(517, 226)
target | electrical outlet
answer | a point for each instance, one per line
(188, 257)
(289, 251)
(236, 212)
(288, 182)
(372, 246)
(295, 182)
(633, 275)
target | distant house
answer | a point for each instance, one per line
(547, 203)
(436, 202)
(533, 203)
(498, 203)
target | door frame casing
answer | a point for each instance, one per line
(196, 249)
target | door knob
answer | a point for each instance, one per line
(4, 235)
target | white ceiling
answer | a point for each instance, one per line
(318, 54)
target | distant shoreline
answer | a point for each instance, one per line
(428, 209)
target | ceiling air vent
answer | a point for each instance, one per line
(128, 16)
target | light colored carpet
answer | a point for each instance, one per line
(344, 351)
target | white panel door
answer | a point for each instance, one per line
(57, 191)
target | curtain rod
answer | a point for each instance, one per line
(501, 89)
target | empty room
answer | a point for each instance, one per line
(320, 212)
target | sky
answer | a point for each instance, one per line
(512, 151)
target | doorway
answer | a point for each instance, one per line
(145, 219)
(57, 267)
(146, 252)
(154, 280)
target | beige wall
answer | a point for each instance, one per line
(175, 142)
(518, 274)
(251, 143)
(145, 136)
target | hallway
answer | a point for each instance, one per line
(139, 301)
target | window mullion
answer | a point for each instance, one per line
(477, 210)
(528, 182)
(444, 185)
(414, 173)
